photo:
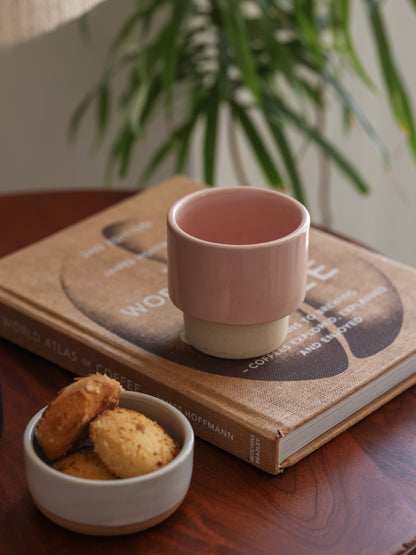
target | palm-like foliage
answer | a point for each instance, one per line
(268, 59)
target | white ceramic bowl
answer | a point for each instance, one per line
(114, 507)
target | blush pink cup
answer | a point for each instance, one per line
(237, 264)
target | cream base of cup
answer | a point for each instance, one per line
(235, 341)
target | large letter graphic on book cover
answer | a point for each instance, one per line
(351, 309)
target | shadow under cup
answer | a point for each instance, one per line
(237, 263)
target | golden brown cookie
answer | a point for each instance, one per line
(84, 463)
(64, 423)
(130, 444)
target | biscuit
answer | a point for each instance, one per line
(64, 423)
(84, 463)
(130, 444)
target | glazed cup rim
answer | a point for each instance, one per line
(177, 229)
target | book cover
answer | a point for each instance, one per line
(93, 298)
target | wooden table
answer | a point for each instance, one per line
(356, 495)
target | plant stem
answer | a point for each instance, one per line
(235, 152)
(324, 165)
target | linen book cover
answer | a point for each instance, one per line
(93, 298)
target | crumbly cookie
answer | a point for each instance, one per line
(84, 463)
(130, 444)
(64, 423)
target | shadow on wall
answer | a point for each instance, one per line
(42, 82)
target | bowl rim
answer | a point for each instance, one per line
(184, 452)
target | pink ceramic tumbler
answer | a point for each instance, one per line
(237, 262)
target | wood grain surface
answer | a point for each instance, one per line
(356, 495)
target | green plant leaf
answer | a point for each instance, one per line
(283, 145)
(353, 108)
(137, 106)
(304, 13)
(397, 94)
(103, 109)
(237, 34)
(170, 41)
(280, 110)
(210, 141)
(413, 3)
(84, 27)
(125, 33)
(184, 133)
(223, 81)
(272, 55)
(122, 150)
(152, 101)
(160, 154)
(341, 13)
(183, 138)
(257, 144)
(350, 106)
(80, 112)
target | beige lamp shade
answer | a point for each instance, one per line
(24, 19)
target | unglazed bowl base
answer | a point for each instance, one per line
(235, 341)
(96, 530)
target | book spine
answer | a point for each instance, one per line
(80, 355)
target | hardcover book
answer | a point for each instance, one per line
(93, 298)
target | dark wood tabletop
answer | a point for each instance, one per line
(355, 495)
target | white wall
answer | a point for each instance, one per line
(42, 81)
